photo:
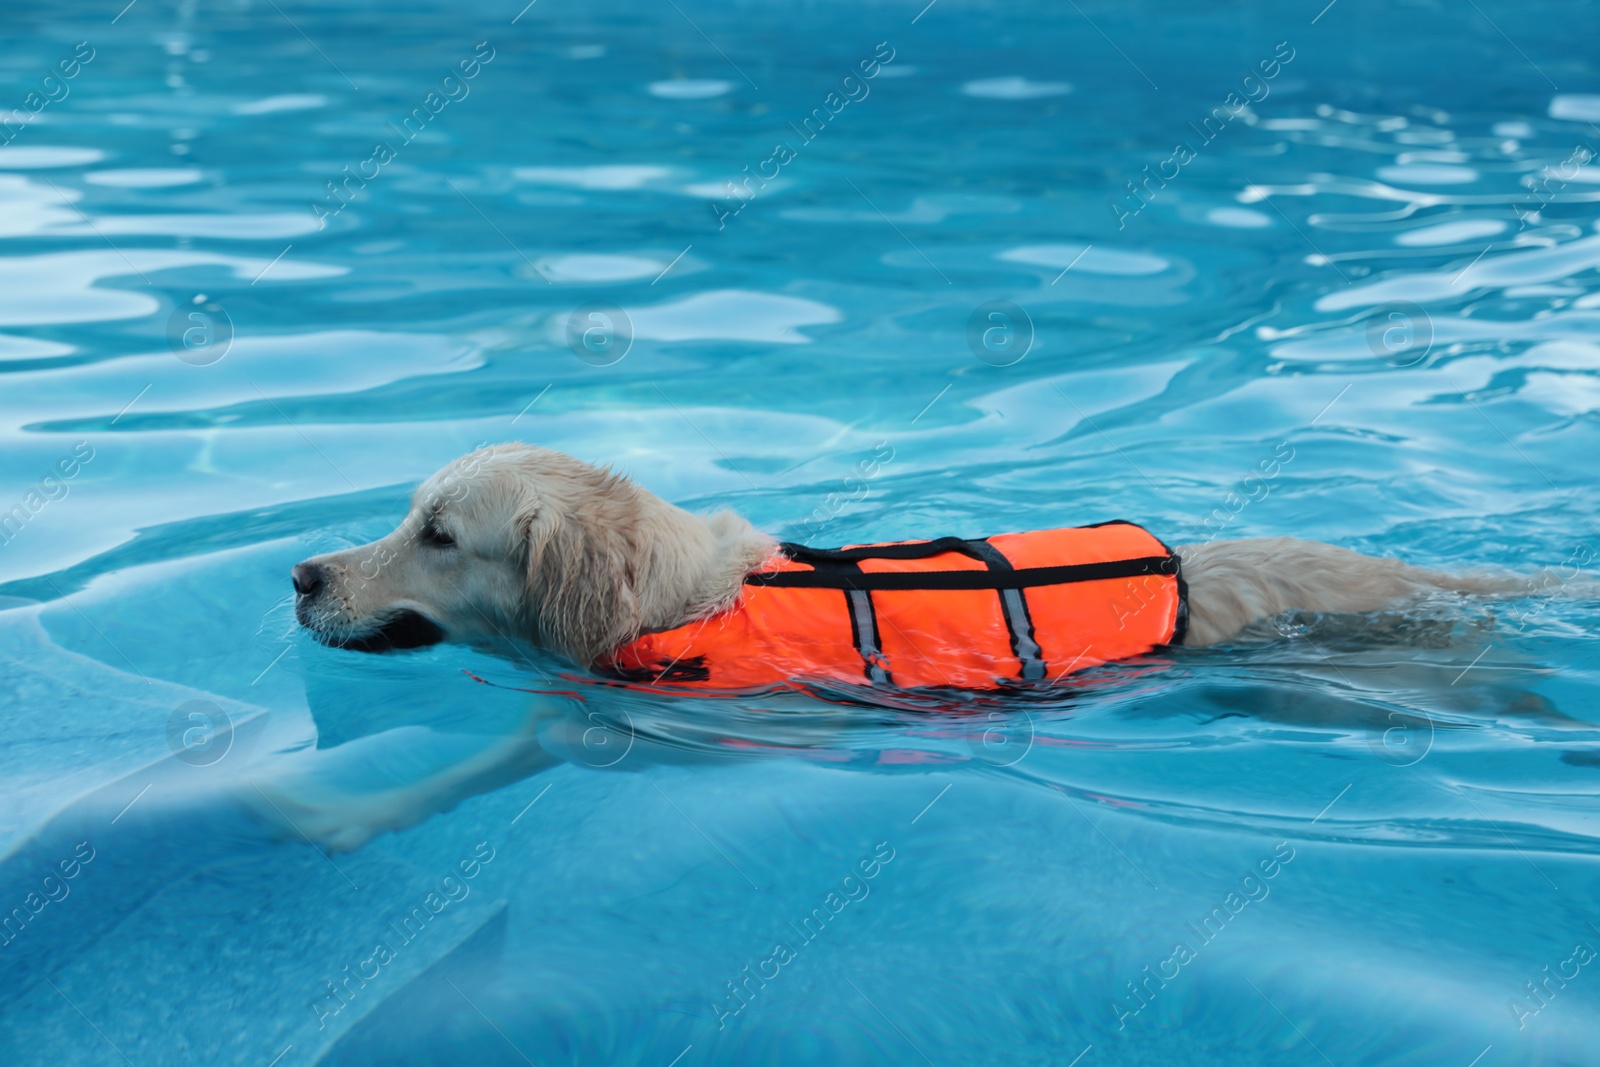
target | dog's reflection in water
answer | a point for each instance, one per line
(1395, 677)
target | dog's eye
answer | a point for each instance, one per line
(436, 536)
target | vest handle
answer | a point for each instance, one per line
(917, 550)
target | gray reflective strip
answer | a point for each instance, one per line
(867, 634)
(1015, 608)
(1028, 651)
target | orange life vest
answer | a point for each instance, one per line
(979, 614)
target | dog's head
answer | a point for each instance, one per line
(508, 544)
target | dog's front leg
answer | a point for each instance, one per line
(341, 798)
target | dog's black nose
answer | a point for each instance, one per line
(307, 579)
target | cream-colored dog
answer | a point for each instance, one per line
(516, 544)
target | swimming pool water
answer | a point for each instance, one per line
(863, 272)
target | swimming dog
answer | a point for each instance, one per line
(526, 545)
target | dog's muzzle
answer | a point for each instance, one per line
(408, 629)
(404, 629)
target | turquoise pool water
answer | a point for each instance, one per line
(1237, 271)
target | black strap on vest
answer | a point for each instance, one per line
(837, 577)
(917, 550)
(864, 629)
(1018, 622)
(839, 568)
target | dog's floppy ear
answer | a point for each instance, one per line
(581, 578)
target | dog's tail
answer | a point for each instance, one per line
(1545, 582)
(1234, 583)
